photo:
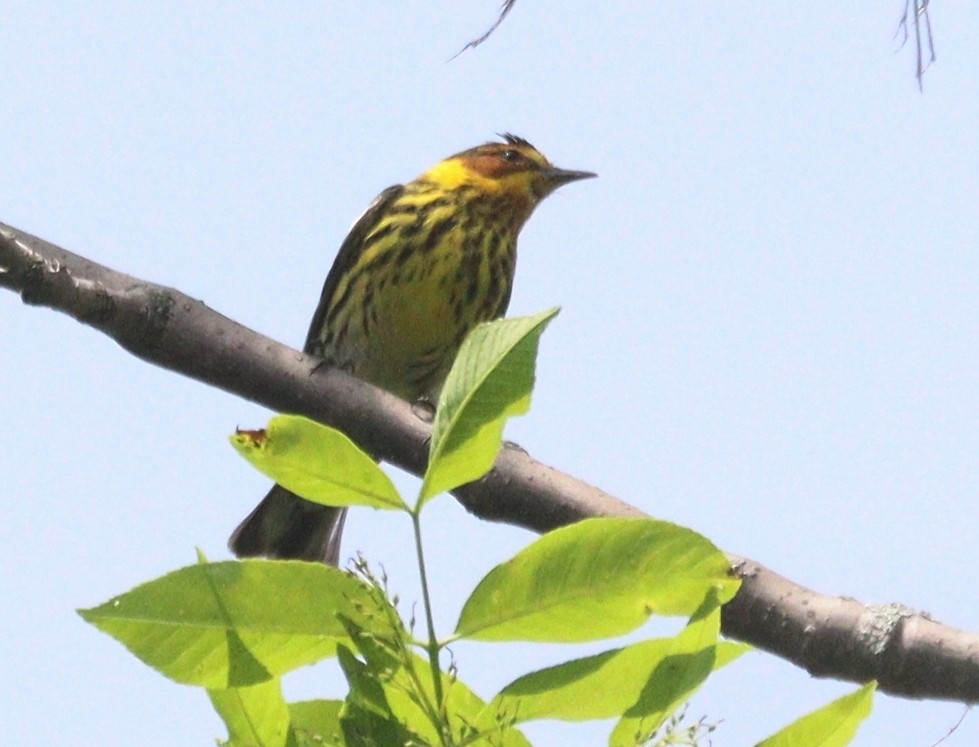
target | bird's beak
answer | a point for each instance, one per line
(555, 177)
(551, 178)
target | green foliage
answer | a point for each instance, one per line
(491, 380)
(595, 579)
(319, 463)
(254, 715)
(258, 716)
(234, 623)
(677, 731)
(316, 723)
(662, 672)
(833, 725)
(236, 627)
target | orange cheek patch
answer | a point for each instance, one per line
(489, 166)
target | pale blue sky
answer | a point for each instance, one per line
(770, 304)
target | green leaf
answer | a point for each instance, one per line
(392, 687)
(490, 381)
(728, 651)
(409, 691)
(833, 725)
(692, 656)
(256, 716)
(318, 463)
(316, 723)
(595, 579)
(235, 623)
(639, 680)
(366, 718)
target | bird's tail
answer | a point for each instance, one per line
(286, 526)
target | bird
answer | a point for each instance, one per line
(426, 262)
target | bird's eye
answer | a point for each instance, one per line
(511, 155)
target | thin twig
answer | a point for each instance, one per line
(504, 10)
(920, 11)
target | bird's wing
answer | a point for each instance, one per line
(348, 254)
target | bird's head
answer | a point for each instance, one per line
(514, 171)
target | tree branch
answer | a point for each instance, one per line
(907, 652)
(917, 12)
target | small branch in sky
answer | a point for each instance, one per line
(504, 9)
(920, 11)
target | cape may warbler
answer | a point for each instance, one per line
(427, 262)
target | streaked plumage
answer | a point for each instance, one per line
(425, 263)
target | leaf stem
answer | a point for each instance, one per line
(432, 646)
